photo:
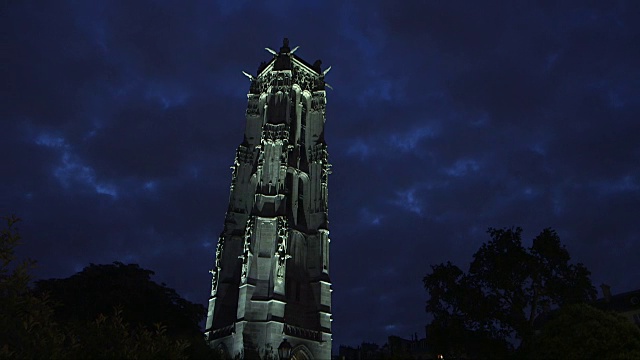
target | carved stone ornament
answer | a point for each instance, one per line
(253, 105)
(246, 253)
(278, 133)
(318, 154)
(283, 80)
(281, 251)
(318, 102)
(215, 272)
(304, 79)
(326, 171)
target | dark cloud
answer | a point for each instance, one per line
(120, 122)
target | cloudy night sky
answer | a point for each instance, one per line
(120, 120)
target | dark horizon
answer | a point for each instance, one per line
(120, 122)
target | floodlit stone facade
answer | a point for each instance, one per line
(271, 274)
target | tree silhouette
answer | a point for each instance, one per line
(27, 328)
(90, 315)
(506, 288)
(98, 289)
(582, 332)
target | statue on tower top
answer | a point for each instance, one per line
(285, 46)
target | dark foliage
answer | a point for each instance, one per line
(98, 289)
(481, 312)
(27, 329)
(582, 332)
(72, 319)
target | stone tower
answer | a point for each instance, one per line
(271, 274)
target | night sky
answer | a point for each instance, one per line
(120, 120)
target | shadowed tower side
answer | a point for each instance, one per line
(271, 275)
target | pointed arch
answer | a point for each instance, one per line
(301, 352)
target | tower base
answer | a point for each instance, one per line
(252, 340)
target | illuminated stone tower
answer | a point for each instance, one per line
(271, 273)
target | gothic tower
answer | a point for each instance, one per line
(271, 274)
